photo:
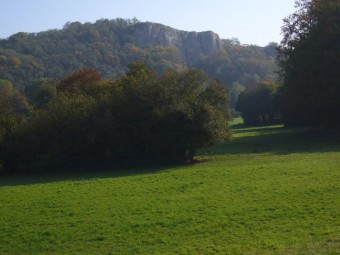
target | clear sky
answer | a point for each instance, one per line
(251, 21)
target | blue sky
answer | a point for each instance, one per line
(251, 21)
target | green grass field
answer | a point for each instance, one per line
(270, 190)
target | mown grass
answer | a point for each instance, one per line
(270, 190)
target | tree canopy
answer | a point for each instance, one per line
(140, 118)
(309, 58)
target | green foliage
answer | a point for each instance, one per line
(182, 110)
(236, 63)
(309, 61)
(72, 130)
(235, 90)
(256, 197)
(259, 105)
(11, 100)
(6, 94)
(41, 91)
(141, 118)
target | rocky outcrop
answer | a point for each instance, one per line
(190, 44)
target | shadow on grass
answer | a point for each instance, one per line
(268, 139)
(238, 125)
(264, 130)
(278, 140)
(100, 172)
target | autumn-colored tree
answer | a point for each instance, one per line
(77, 81)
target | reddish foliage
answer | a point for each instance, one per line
(79, 78)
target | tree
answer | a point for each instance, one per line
(309, 64)
(258, 105)
(6, 94)
(41, 91)
(11, 100)
(77, 81)
(168, 117)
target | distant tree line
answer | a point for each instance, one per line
(84, 120)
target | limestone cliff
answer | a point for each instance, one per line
(190, 44)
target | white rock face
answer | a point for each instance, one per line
(190, 44)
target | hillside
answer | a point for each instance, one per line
(109, 45)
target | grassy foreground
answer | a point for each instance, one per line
(271, 190)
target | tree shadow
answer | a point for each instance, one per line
(107, 172)
(278, 140)
(238, 125)
(262, 130)
(268, 139)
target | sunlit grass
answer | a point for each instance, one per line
(270, 190)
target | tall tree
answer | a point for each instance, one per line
(309, 58)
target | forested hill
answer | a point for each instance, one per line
(109, 45)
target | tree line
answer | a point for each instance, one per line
(85, 120)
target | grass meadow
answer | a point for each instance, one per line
(270, 190)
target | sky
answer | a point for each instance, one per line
(251, 21)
